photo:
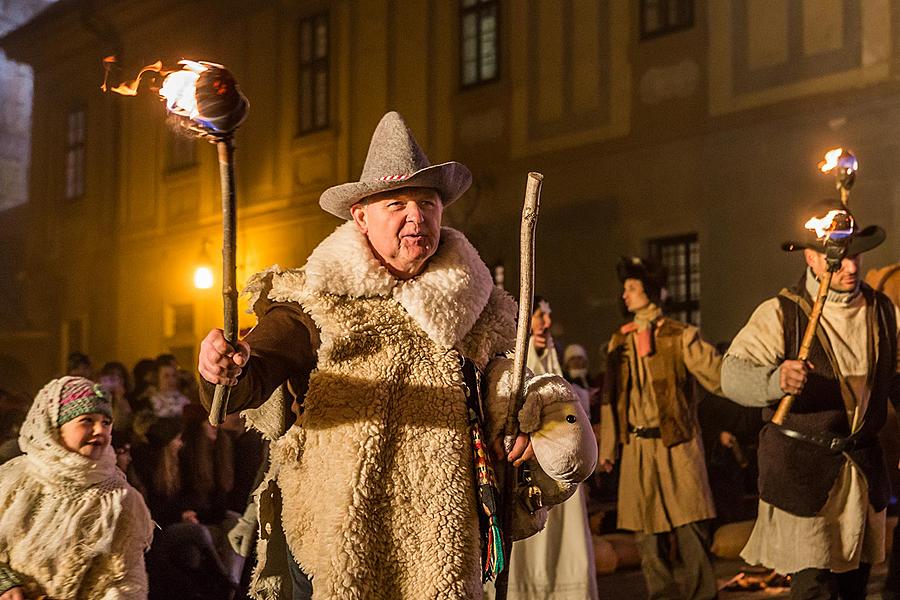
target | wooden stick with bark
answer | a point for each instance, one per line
(526, 294)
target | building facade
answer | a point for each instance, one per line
(689, 129)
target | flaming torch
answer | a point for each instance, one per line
(205, 101)
(844, 165)
(834, 231)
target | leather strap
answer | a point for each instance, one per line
(834, 444)
(645, 432)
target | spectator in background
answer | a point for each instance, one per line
(188, 386)
(167, 359)
(11, 419)
(575, 366)
(165, 400)
(121, 444)
(207, 469)
(158, 465)
(144, 378)
(79, 364)
(183, 562)
(114, 381)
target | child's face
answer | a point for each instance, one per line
(88, 435)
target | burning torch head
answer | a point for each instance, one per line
(202, 97)
(206, 98)
(831, 229)
(844, 165)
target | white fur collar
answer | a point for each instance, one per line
(445, 300)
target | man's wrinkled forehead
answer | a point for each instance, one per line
(406, 193)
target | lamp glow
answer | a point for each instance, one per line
(203, 278)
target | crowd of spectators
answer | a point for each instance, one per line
(196, 479)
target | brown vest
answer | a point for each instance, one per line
(796, 476)
(670, 383)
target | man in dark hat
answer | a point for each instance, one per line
(382, 334)
(648, 407)
(822, 478)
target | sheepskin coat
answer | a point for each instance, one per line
(376, 477)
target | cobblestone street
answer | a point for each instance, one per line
(630, 584)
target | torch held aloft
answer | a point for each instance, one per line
(784, 406)
(225, 149)
(834, 256)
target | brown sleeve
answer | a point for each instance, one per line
(283, 347)
(703, 360)
(608, 438)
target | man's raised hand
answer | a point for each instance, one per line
(793, 376)
(218, 363)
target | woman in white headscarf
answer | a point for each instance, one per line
(558, 562)
(70, 525)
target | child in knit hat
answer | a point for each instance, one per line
(70, 525)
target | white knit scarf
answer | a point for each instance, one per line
(58, 509)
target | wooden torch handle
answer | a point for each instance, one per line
(229, 269)
(784, 406)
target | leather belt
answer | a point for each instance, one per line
(835, 444)
(644, 432)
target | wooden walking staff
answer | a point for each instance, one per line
(833, 229)
(204, 101)
(526, 295)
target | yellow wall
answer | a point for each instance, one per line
(713, 130)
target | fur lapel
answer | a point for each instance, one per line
(445, 300)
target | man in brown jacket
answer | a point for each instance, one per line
(649, 408)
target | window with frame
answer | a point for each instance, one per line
(314, 76)
(75, 143)
(681, 256)
(479, 41)
(182, 151)
(659, 17)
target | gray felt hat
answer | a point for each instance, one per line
(396, 161)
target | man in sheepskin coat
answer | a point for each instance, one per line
(373, 488)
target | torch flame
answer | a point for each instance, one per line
(827, 226)
(129, 88)
(179, 88)
(831, 160)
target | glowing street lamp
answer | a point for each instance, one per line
(203, 278)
